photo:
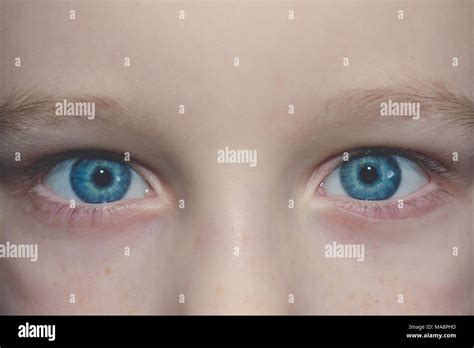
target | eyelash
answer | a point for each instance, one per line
(390, 209)
(56, 213)
(428, 161)
(35, 170)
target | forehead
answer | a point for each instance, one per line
(287, 53)
(268, 43)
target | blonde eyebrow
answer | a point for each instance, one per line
(21, 110)
(437, 100)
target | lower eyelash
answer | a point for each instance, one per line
(390, 210)
(55, 213)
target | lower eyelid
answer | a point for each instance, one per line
(55, 213)
(413, 206)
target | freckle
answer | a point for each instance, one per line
(108, 270)
(220, 290)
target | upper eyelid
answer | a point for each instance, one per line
(428, 161)
(49, 161)
(61, 156)
(33, 171)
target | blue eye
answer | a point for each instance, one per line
(375, 177)
(371, 177)
(95, 181)
(99, 181)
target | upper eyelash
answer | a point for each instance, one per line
(427, 161)
(32, 173)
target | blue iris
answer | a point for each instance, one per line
(372, 177)
(98, 180)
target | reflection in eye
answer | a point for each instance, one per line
(95, 180)
(375, 177)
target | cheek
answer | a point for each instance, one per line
(45, 287)
(413, 258)
(93, 268)
(74, 283)
(440, 275)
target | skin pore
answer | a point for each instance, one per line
(189, 252)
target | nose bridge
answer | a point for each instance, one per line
(235, 256)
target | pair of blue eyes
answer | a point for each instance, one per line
(368, 177)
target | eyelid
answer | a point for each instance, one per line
(46, 163)
(55, 213)
(426, 161)
(32, 172)
(425, 201)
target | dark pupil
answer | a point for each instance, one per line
(368, 174)
(102, 177)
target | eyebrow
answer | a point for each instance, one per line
(24, 110)
(437, 103)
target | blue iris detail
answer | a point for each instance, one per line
(373, 177)
(99, 180)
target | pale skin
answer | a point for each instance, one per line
(191, 251)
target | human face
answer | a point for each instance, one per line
(173, 91)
